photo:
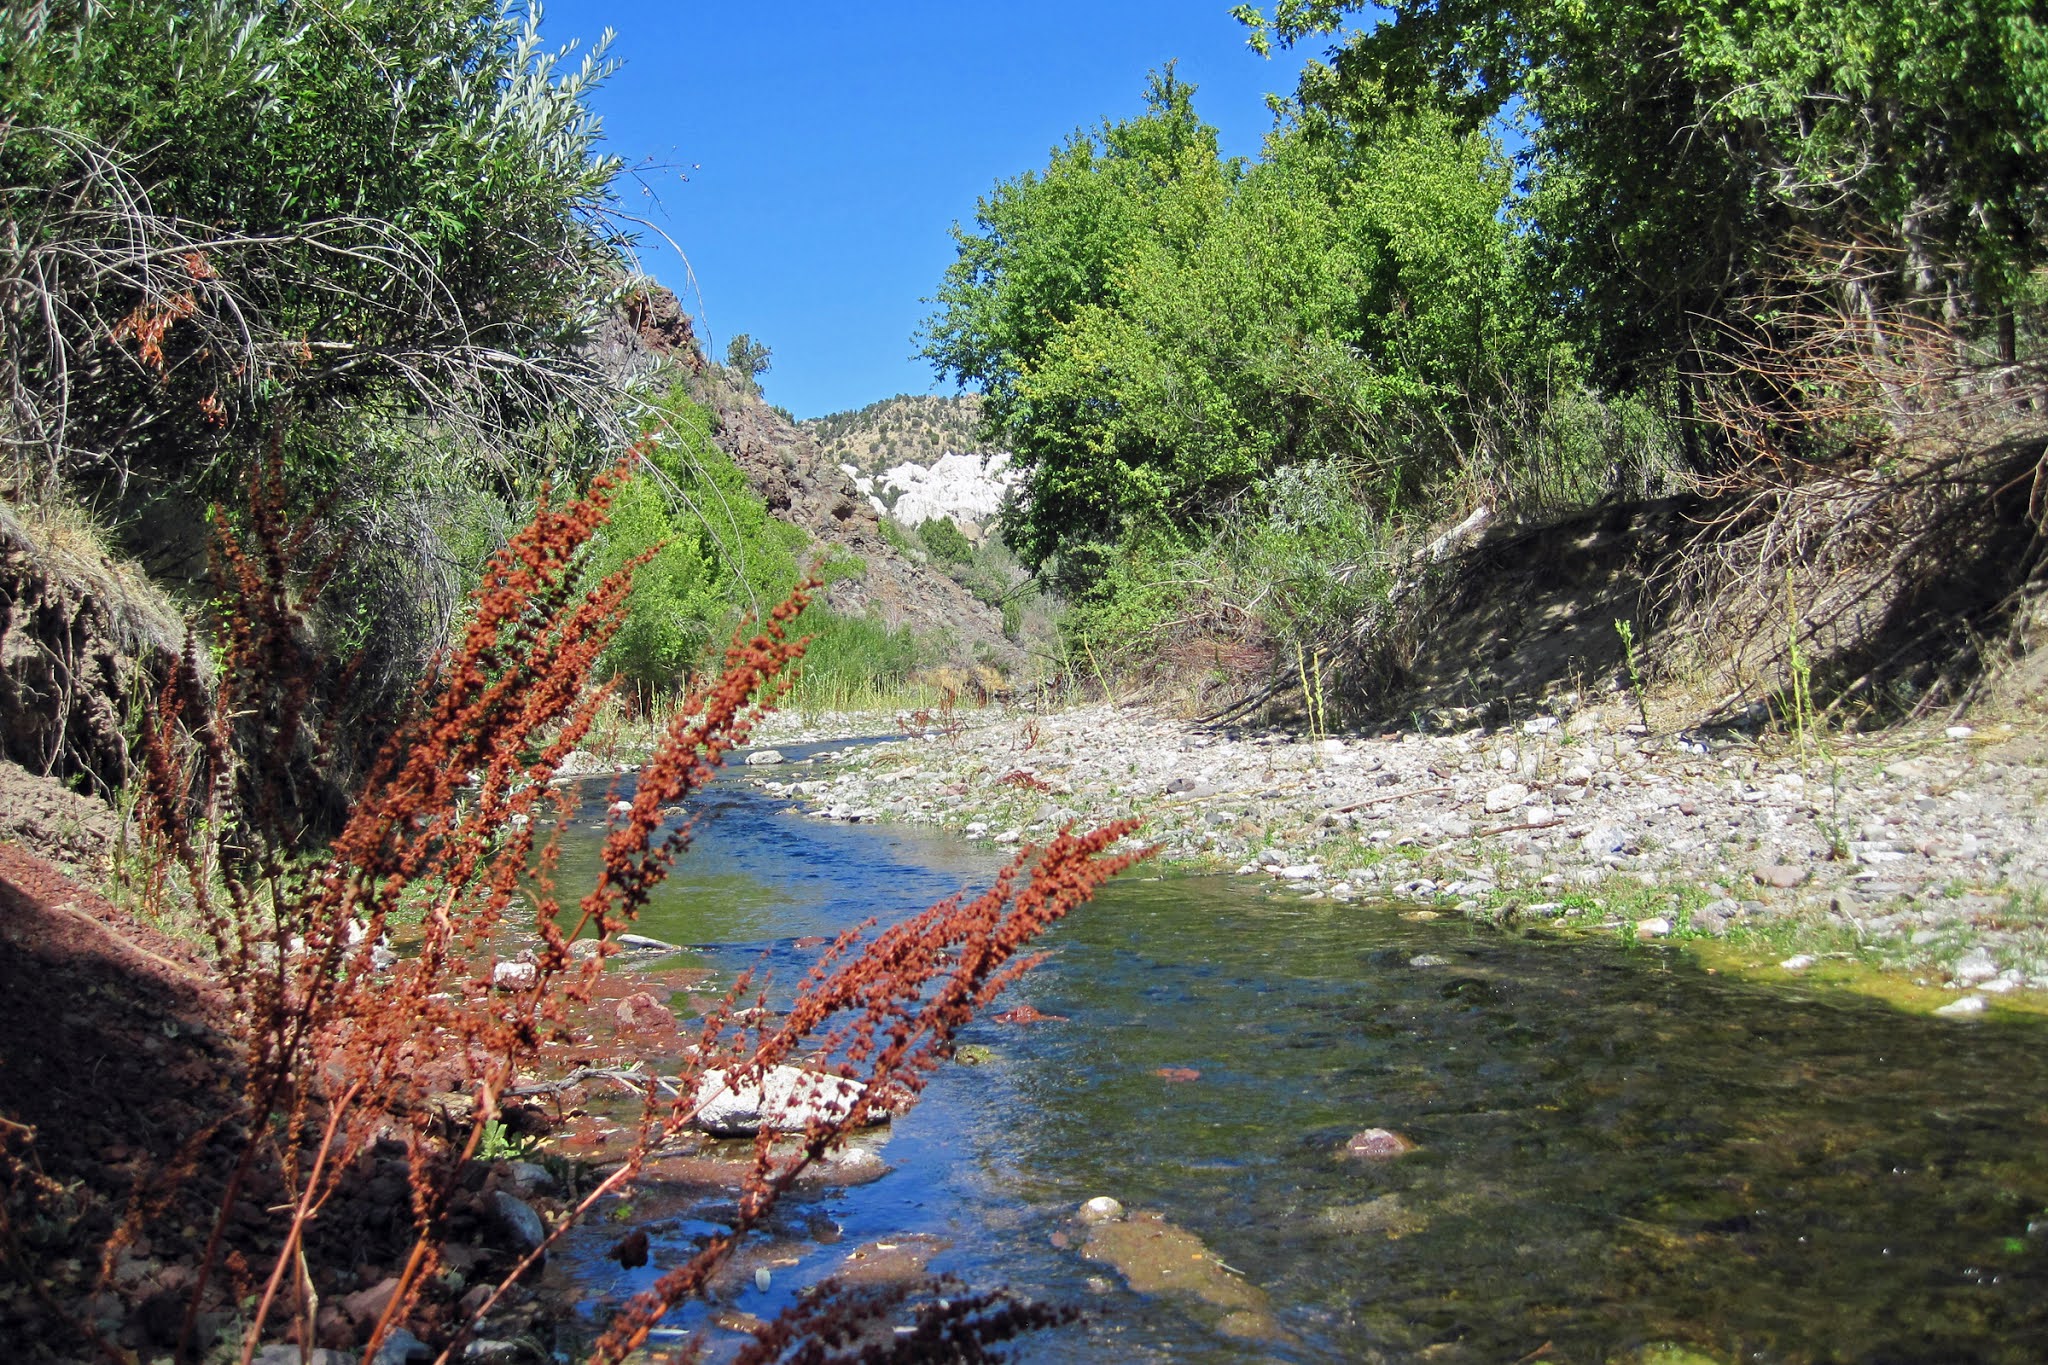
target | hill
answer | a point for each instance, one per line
(907, 429)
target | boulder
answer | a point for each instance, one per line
(521, 1224)
(785, 1100)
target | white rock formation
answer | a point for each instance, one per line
(968, 488)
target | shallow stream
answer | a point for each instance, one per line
(1620, 1155)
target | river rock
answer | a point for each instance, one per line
(765, 758)
(519, 1221)
(514, 976)
(1378, 1144)
(785, 1100)
(1101, 1209)
(641, 1010)
(401, 1347)
(1783, 876)
(1656, 926)
(1506, 797)
(366, 1306)
(1603, 840)
(1963, 1008)
(1974, 966)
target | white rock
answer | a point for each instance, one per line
(1959, 732)
(1654, 927)
(1429, 960)
(1506, 797)
(1540, 725)
(1798, 962)
(1102, 1209)
(967, 488)
(1975, 966)
(785, 1101)
(765, 758)
(514, 976)
(1602, 840)
(1969, 1004)
(1300, 872)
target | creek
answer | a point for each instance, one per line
(1620, 1156)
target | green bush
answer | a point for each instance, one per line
(945, 542)
(717, 552)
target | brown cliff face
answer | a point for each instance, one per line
(804, 485)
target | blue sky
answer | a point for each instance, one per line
(829, 148)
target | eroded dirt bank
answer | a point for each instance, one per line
(1913, 863)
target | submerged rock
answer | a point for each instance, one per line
(1156, 1257)
(1386, 1215)
(1378, 1144)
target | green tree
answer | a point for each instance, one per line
(1688, 154)
(1157, 331)
(749, 359)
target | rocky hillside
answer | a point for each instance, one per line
(907, 429)
(804, 484)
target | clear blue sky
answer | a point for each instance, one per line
(830, 147)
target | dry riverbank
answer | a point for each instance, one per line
(1911, 863)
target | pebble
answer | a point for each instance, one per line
(1506, 797)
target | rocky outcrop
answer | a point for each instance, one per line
(804, 486)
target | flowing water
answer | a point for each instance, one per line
(1620, 1156)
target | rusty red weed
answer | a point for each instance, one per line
(343, 1047)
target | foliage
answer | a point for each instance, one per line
(945, 541)
(712, 551)
(238, 216)
(1157, 331)
(749, 359)
(1714, 138)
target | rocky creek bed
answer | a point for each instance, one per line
(1911, 864)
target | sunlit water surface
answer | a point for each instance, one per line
(1617, 1150)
